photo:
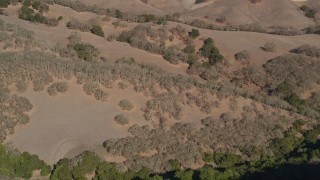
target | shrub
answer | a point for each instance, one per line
(60, 18)
(242, 56)
(36, 5)
(4, 3)
(121, 119)
(210, 51)
(190, 49)
(269, 47)
(194, 33)
(126, 105)
(45, 171)
(86, 52)
(221, 19)
(76, 24)
(307, 50)
(100, 95)
(147, 18)
(58, 87)
(310, 13)
(200, 1)
(97, 30)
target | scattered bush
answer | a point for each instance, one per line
(121, 119)
(100, 95)
(97, 30)
(194, 33)
(269, 47)
(307, 50)
(126, 105)
(86, 52)
(57, 87)
(242, 56)
(310, 13)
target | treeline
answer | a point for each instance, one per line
(154, 40)
(18, 37)
(297, 149)
(32, 10)
(186, 144)
(14, 164)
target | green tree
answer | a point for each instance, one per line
(97, 30)
(194, 33)
(184, 175)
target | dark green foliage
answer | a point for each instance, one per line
(106, 170)
(200, 1)
(97, 30)
(210, 51)
(17, 164)
(190, 49)
(88, 163)
(208, 173)
(118, 14)
(4, 3)
(36, 5)
(175, 164)
(45, 171)
(309, 12)
(27, 3)
(27, 13)
(295, 100)
(147, 18)
(184, 175)
(223, 159)
(86, 52)
(194, 33)
(62, 170)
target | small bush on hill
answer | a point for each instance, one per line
(269, 47)
(121, 119)
(210, 51)
(194, 33)
(126, 105)
(86, 52)
(97, 30)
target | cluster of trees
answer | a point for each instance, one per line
(57, 87)
(92, 26)
(5, 3)
(138, 37)
(307, 50)
(308, 12)
(13, 112)
(18, 37)
(210, 51)
(291, 152)
(184, 142)
(20, 165)
(151, 18)
(27, 12)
